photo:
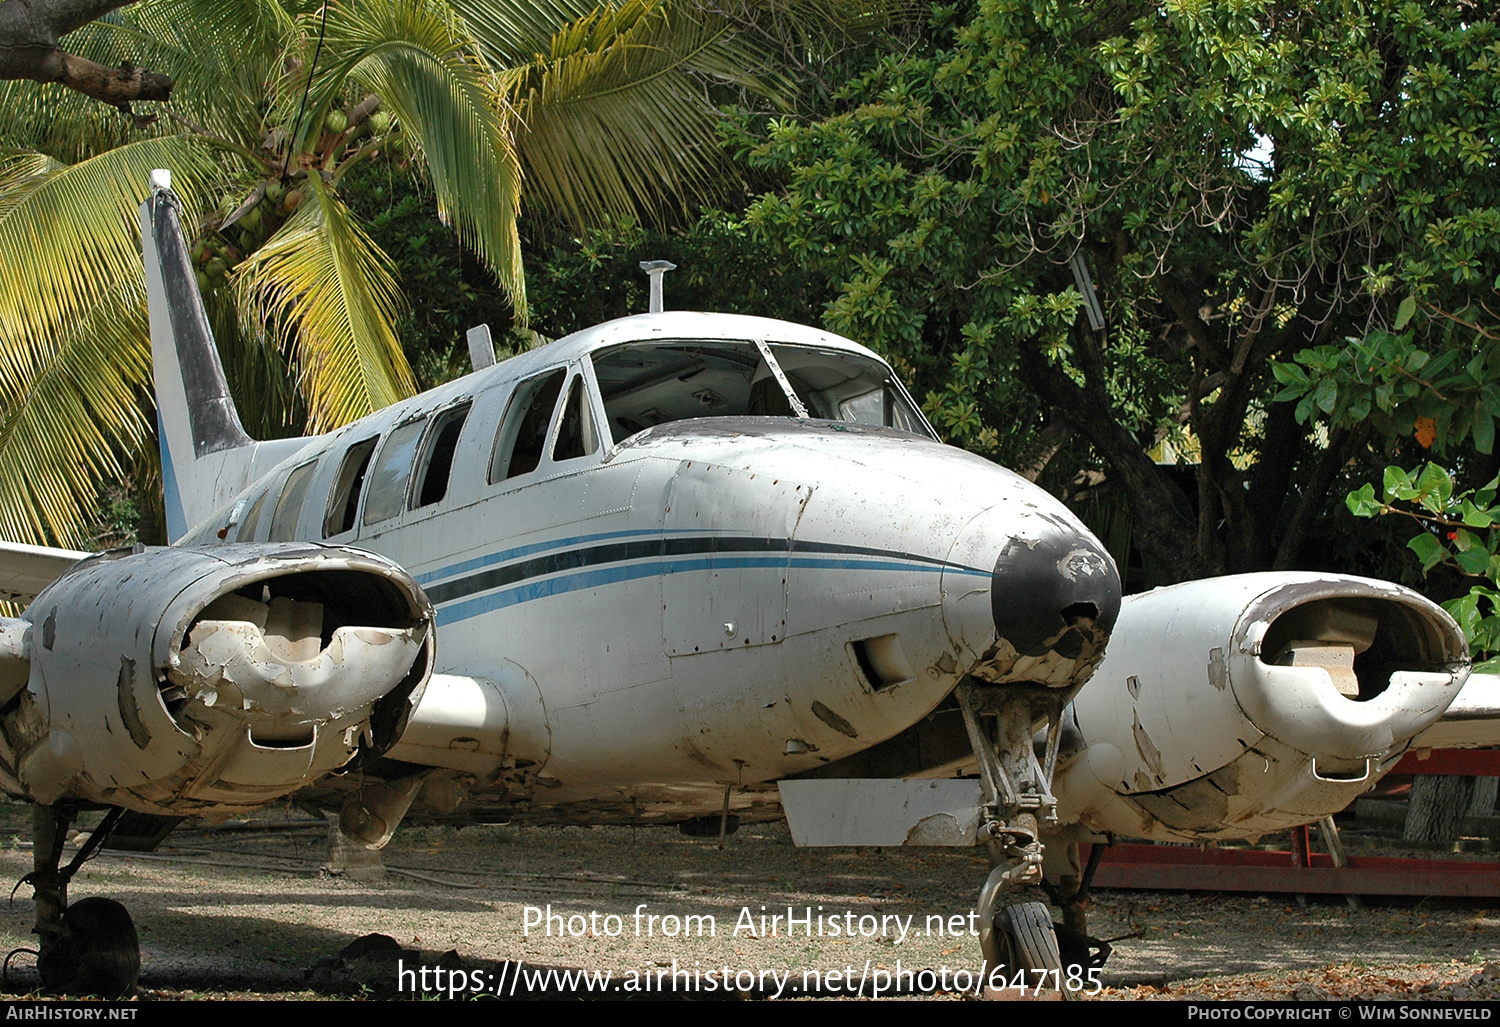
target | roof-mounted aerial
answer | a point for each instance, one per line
(654, 270)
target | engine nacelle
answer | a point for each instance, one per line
(191, 681)
(1234, 706)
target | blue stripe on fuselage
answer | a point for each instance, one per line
(572, 581)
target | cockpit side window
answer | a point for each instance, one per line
(343, 503)
(575, 433)
(252, 520)
(840, 386)
(289, 507)
(522, 438)
(437, 460)
(392, 471)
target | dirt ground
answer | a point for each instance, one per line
(248, 914)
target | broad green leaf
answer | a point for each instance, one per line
(1363, 503)
(1475, 517)
(1289, 374)
(1474, 561)
(1405, 311)
(1398, 485)
(1436, 488)
(1428, 549)
(1484, 431)
(1326, 395)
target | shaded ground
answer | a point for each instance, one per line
(249, 913)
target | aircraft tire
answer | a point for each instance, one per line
(1025, 940)
(99, 952)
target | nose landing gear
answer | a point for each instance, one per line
(1015, 928)
(90, 947)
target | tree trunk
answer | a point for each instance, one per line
(1438, 805)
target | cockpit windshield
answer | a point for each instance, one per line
(649, 383)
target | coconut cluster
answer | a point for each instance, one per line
(242, 224)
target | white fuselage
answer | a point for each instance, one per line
(711, 602)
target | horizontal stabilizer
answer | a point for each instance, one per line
(26, 570)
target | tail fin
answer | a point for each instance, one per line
(197, 422)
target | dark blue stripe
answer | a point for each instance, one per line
(539, 588)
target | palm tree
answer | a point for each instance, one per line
(588, 111)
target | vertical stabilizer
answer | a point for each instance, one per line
(205, 453)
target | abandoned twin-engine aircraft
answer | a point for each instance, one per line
(676, 566)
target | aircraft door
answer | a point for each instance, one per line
(728, 539)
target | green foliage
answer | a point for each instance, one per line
(1245, 182)
(276, 104)
(1460, 529)
(595, 276)
(1392, 381)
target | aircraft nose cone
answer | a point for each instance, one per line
(1053, 595)
(1051, 589)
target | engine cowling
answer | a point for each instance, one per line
(1234, 706)
(210, 681)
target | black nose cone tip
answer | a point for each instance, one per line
(1059, 593)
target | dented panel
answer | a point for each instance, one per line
(232, 681)
(856, 811)
(1234, 706)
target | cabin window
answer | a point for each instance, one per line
(840, 386)
(392, 470)
(344, 502)
(289, 507)
(523, 430)
(437, 461)
(575, 434)
(252, 520)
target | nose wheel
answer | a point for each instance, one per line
(1020, 937)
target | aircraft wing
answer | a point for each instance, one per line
(1472, 722)
(26, 570)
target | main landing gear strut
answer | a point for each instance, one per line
(90, 947)
(1015, 927)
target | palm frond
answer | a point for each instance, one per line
(64, 425)
(615, 118)
(511, 34)
(415, 56)
(322, 287)
(69, 237)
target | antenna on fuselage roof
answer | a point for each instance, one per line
(481, 347)
(654, 270)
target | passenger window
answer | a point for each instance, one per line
(576, 436)
(252, 520)
(344, 502)
(523, 429)
(289, 508)
(388, 483)
(437, 462)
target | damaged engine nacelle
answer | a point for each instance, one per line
(186, 681)
(1233, 706)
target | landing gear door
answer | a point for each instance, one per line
(728, 540)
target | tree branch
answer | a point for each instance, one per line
(29, 35)
(1163, 527)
